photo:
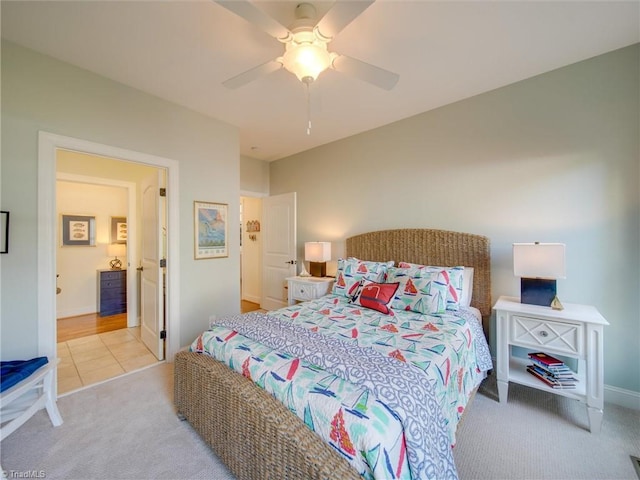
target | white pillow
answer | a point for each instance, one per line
(467, 287)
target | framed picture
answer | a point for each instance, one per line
(78, 230)
(211, 230)
(118, 229)
(4, 232)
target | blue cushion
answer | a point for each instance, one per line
(14, 372)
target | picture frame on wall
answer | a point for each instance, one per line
(4, 232)
(211, 227)
(118, 229)
(78, 230)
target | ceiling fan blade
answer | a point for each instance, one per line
(366, 72)
(255, 16)
(253, 74)
(341, 15)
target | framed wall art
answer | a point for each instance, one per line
(4, 232)
(211, 230)
(78, 230)
(118, 229)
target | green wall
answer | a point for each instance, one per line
(554, 158)
(40, 93)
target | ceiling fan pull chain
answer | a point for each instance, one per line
(308, 109)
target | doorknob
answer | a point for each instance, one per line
(140, 269)
(292, 262)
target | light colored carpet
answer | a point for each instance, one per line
(123, 429)
(538, 435)
(127, 429)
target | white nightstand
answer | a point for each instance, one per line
(308, 288)
(575, 332)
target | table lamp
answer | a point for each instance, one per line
(317, 254)
(116, 250)
(539, 265)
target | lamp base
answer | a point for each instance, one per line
(556, 304)
(115, 264)
(303, 272)
(318, 269)
(537, 291)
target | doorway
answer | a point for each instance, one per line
(97, 300)
(250, 253)
(48, 146)
(268, 249)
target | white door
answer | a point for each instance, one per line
(151, 284)
(279, 248)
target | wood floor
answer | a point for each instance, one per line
(91, 324)
(246, 306)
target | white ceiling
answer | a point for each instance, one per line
(444, 51)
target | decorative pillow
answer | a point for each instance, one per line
(352, 271)
(377, 296)
(426, 294)
(467, 287)
(453, 276)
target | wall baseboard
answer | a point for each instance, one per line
(74, 312)
(622, 397)
(252, 298)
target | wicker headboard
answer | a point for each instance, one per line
(431, 247)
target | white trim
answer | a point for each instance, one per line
(125, 374)
(253, 299)
(622, 397)
(74, 312)
(247, 193)
(132, 254)
(48, 144)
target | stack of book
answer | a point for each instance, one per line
(551, 371)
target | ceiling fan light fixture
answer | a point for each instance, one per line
(306, 56)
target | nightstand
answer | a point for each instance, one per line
(574, 333)
(308, 288)
(112, 292)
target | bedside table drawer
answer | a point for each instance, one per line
(537, 332)
(303, 291)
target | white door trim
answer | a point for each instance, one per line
(132, 284)
(48, 144)
(247, 193)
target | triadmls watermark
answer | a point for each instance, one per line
(25, 474)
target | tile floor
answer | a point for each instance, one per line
(92, 359)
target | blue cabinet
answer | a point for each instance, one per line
(112, 292)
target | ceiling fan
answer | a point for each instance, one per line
(306, 54)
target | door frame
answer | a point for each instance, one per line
(260, 196)
(48, 144)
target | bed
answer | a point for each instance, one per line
(361, 428)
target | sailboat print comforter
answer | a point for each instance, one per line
(385, 391)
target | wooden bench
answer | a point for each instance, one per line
(19, 402)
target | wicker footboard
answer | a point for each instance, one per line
(251, 432)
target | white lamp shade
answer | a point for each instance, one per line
(116, 250)
(317, 251)
(539, 260)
